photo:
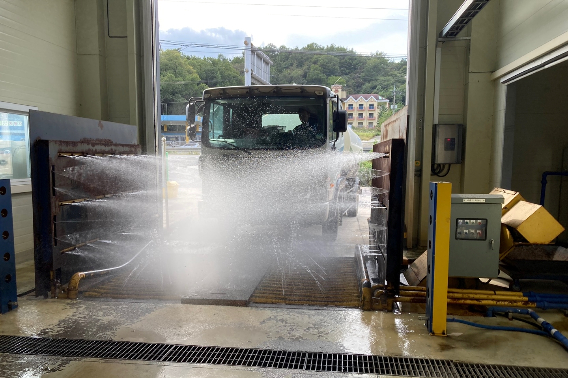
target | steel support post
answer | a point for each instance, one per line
(438, 257)
(8, 293)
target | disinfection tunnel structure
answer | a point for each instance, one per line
(91, 213)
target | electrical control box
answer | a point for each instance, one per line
(448, 144)
(475, 230)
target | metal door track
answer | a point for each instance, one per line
(267, 358)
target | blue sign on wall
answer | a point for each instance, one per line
(13, 127)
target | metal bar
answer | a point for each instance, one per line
(79, 200)
(164, 182)
(465, 13)
(481, 302)
(76, 154)
(468, 296)
(42, 218)
(389, 191)
(78, 246)
(8, 290)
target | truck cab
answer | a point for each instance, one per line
(268, 155)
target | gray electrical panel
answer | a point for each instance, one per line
(475, 230)
(448, 144)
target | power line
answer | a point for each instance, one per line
(186, 45)
(197, 44)
(283, 5)
(338, 17)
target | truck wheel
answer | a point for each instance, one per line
(353, 209)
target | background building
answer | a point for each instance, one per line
(363, 109)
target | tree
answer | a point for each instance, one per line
(178, 80)
(187, 76)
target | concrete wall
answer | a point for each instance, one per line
(540, 135)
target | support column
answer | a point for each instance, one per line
(248, 57)
(429, 94)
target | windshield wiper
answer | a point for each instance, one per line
(234, 146)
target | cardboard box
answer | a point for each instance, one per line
(533, 222)
(511, 198)
(417, 271)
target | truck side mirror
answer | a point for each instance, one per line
(190, 113)
(339, 121)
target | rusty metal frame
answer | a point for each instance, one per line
(48, 157)
(387, 210)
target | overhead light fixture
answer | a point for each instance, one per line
(466, 12)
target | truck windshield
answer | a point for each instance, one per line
(265, 123)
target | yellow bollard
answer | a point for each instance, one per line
(438, 257)
(172, 189)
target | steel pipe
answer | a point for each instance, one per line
(73, 286)
(480, 302)
(466, 291)
(469, 296)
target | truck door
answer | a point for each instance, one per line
(332, 108)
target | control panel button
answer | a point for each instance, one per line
(471, 229)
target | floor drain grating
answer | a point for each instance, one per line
(298, 284)
(277, 359)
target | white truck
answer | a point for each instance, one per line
(273, 154)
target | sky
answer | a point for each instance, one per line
(220, 26)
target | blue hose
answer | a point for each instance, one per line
(543, 323)
(547, 305)
(499, 328)
(551, 298)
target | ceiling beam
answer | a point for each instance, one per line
(466, 12)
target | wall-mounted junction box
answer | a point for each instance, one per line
(475, 230)
(448, 144)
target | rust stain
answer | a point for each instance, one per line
(101, 126)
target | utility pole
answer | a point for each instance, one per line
(248, 58)
(394, 96)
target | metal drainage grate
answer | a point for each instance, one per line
(326, 282)
(277, 359)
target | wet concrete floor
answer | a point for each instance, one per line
(301, 328)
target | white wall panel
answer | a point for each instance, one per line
(525, 25)
(38, 67)
(38, 54)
